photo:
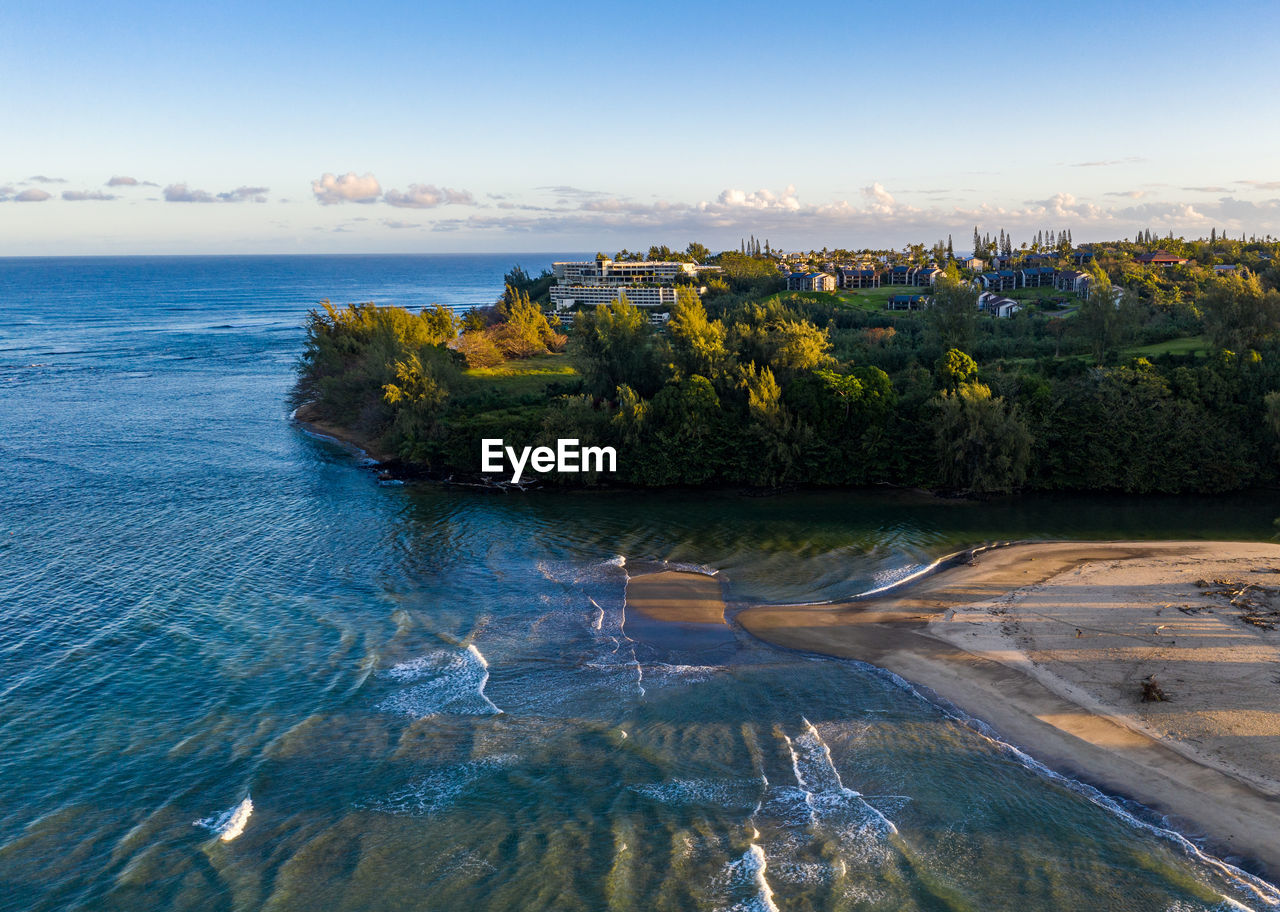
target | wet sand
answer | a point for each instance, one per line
(1050, 643)
(677, 611)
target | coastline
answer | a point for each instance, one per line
(305, 417)
(1048, 643)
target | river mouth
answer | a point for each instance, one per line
(215, 625)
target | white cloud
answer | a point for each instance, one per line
(74, 196)
(760, 199)
(120, 180)
(32, 196)
(243, 194)
(347, 188)
(41, 179)
(877, 219)
(397, 224)
(1261, 185)
(428, 196)
(181, 193)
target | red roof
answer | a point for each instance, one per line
(1159, 257)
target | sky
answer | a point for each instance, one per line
(331, 127)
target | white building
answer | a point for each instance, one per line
(997, 305)
(602, 281)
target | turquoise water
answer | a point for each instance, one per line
(398, 697)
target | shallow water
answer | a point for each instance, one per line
(236, 672)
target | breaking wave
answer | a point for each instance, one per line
(231, 822)
(448, 682)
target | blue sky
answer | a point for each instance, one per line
(514, 127)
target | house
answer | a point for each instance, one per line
(997, 305)
(971, 263)
(1072, 280)
(899, 275)
(1224, 269)
(988, 301)
(857, 277)
(1160, 258)
(1002, 260)
(1082, 257)
(1038, 276)
(810, 281)
(925, 275)
(1003, 280)
(906, 302)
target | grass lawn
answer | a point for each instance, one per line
(869, 299)
(531, 375)
(1047, 298)
(1197, 345)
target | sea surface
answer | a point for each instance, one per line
(238, 672)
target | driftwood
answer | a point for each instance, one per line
(1152, 692)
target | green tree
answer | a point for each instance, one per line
(982, 446)
(952, 314)
(697, 344)
(1239, 314)
(524, 330)
(614, 345)
(955, 368)
(1107, 317)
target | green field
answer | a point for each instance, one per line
(1047, 298)
(531, 375)
(868, 299)
(1187, 345)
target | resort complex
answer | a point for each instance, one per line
(603, 281)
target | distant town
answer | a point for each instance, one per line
(1048, 270)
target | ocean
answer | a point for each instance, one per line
(238, 671)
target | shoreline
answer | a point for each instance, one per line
(304, 417)
(1031, 640)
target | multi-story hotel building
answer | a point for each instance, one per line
(601, 281)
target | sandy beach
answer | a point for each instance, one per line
(1051, 643)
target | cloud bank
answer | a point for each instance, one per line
(428, 196)
(181, 193)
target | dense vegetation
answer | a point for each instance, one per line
(1168, 382)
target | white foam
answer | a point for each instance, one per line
(445, 683)
(826, 768)
(724, 793)
(440, 788)
(754, 862)
(1242, 880)
(230, 823)
(701, 569)
(685, 674)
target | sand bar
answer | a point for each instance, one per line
(1050, 643)
(676, 595)
(677, 612)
